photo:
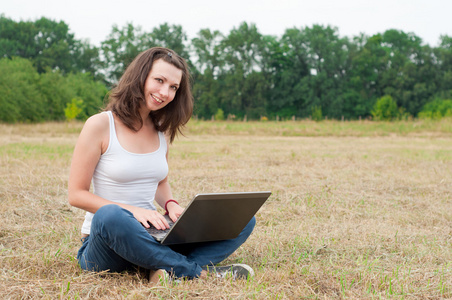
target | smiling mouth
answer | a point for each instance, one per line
(156, 99)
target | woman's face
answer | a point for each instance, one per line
(161, 84)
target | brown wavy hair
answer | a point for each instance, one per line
(127, 96)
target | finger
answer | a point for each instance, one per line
(164, 222)
(174, 216)
(159, 222)
(155, 223)
(145, 223)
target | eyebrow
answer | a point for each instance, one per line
(160, 75)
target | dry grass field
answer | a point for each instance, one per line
(359, 210)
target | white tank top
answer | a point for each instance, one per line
(128, 178)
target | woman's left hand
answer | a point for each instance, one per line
(174, 210)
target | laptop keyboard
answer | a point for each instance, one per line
(153, 231)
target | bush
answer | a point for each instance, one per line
(92, 92)
(57, 92)
(385, 109)
(27, 96)
(316, 113)
(436, 109)
(219, 115)
(73, 109)
(20, 99)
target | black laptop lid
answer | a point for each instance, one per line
(212, 217)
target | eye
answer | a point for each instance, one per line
(174, 87)
(159, 80)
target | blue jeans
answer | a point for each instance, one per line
(118, 242)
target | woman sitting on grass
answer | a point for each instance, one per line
(123, 152)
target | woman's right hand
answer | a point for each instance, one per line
(149, 216)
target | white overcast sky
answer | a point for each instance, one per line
(93, 19)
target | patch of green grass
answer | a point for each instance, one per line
(26, 150)
(365, 128)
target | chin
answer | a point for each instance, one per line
(155, 107)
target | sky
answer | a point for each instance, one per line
(93, 20)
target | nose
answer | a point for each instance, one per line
(164, 91)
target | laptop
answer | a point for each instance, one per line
(211, 217)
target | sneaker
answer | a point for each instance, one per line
(156, 276)
(234, 271)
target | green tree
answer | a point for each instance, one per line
(53, 45)
(443, 56)
(242, 84)
(410, 76)
(206, 91)
(208, 56)
(170, 36)
(48, 44)
(85, 59)
(17, 39)
(324, 60)
(120, 48)
(124, 44)
(369, 62)
(285, 62)
(208, 61)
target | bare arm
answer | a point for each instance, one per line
(92, 142)
(87, 152)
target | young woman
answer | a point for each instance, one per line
(123, 152)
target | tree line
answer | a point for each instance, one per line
(309, 72)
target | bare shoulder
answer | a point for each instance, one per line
(97, 122)
(96, 130)
(96, 125)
